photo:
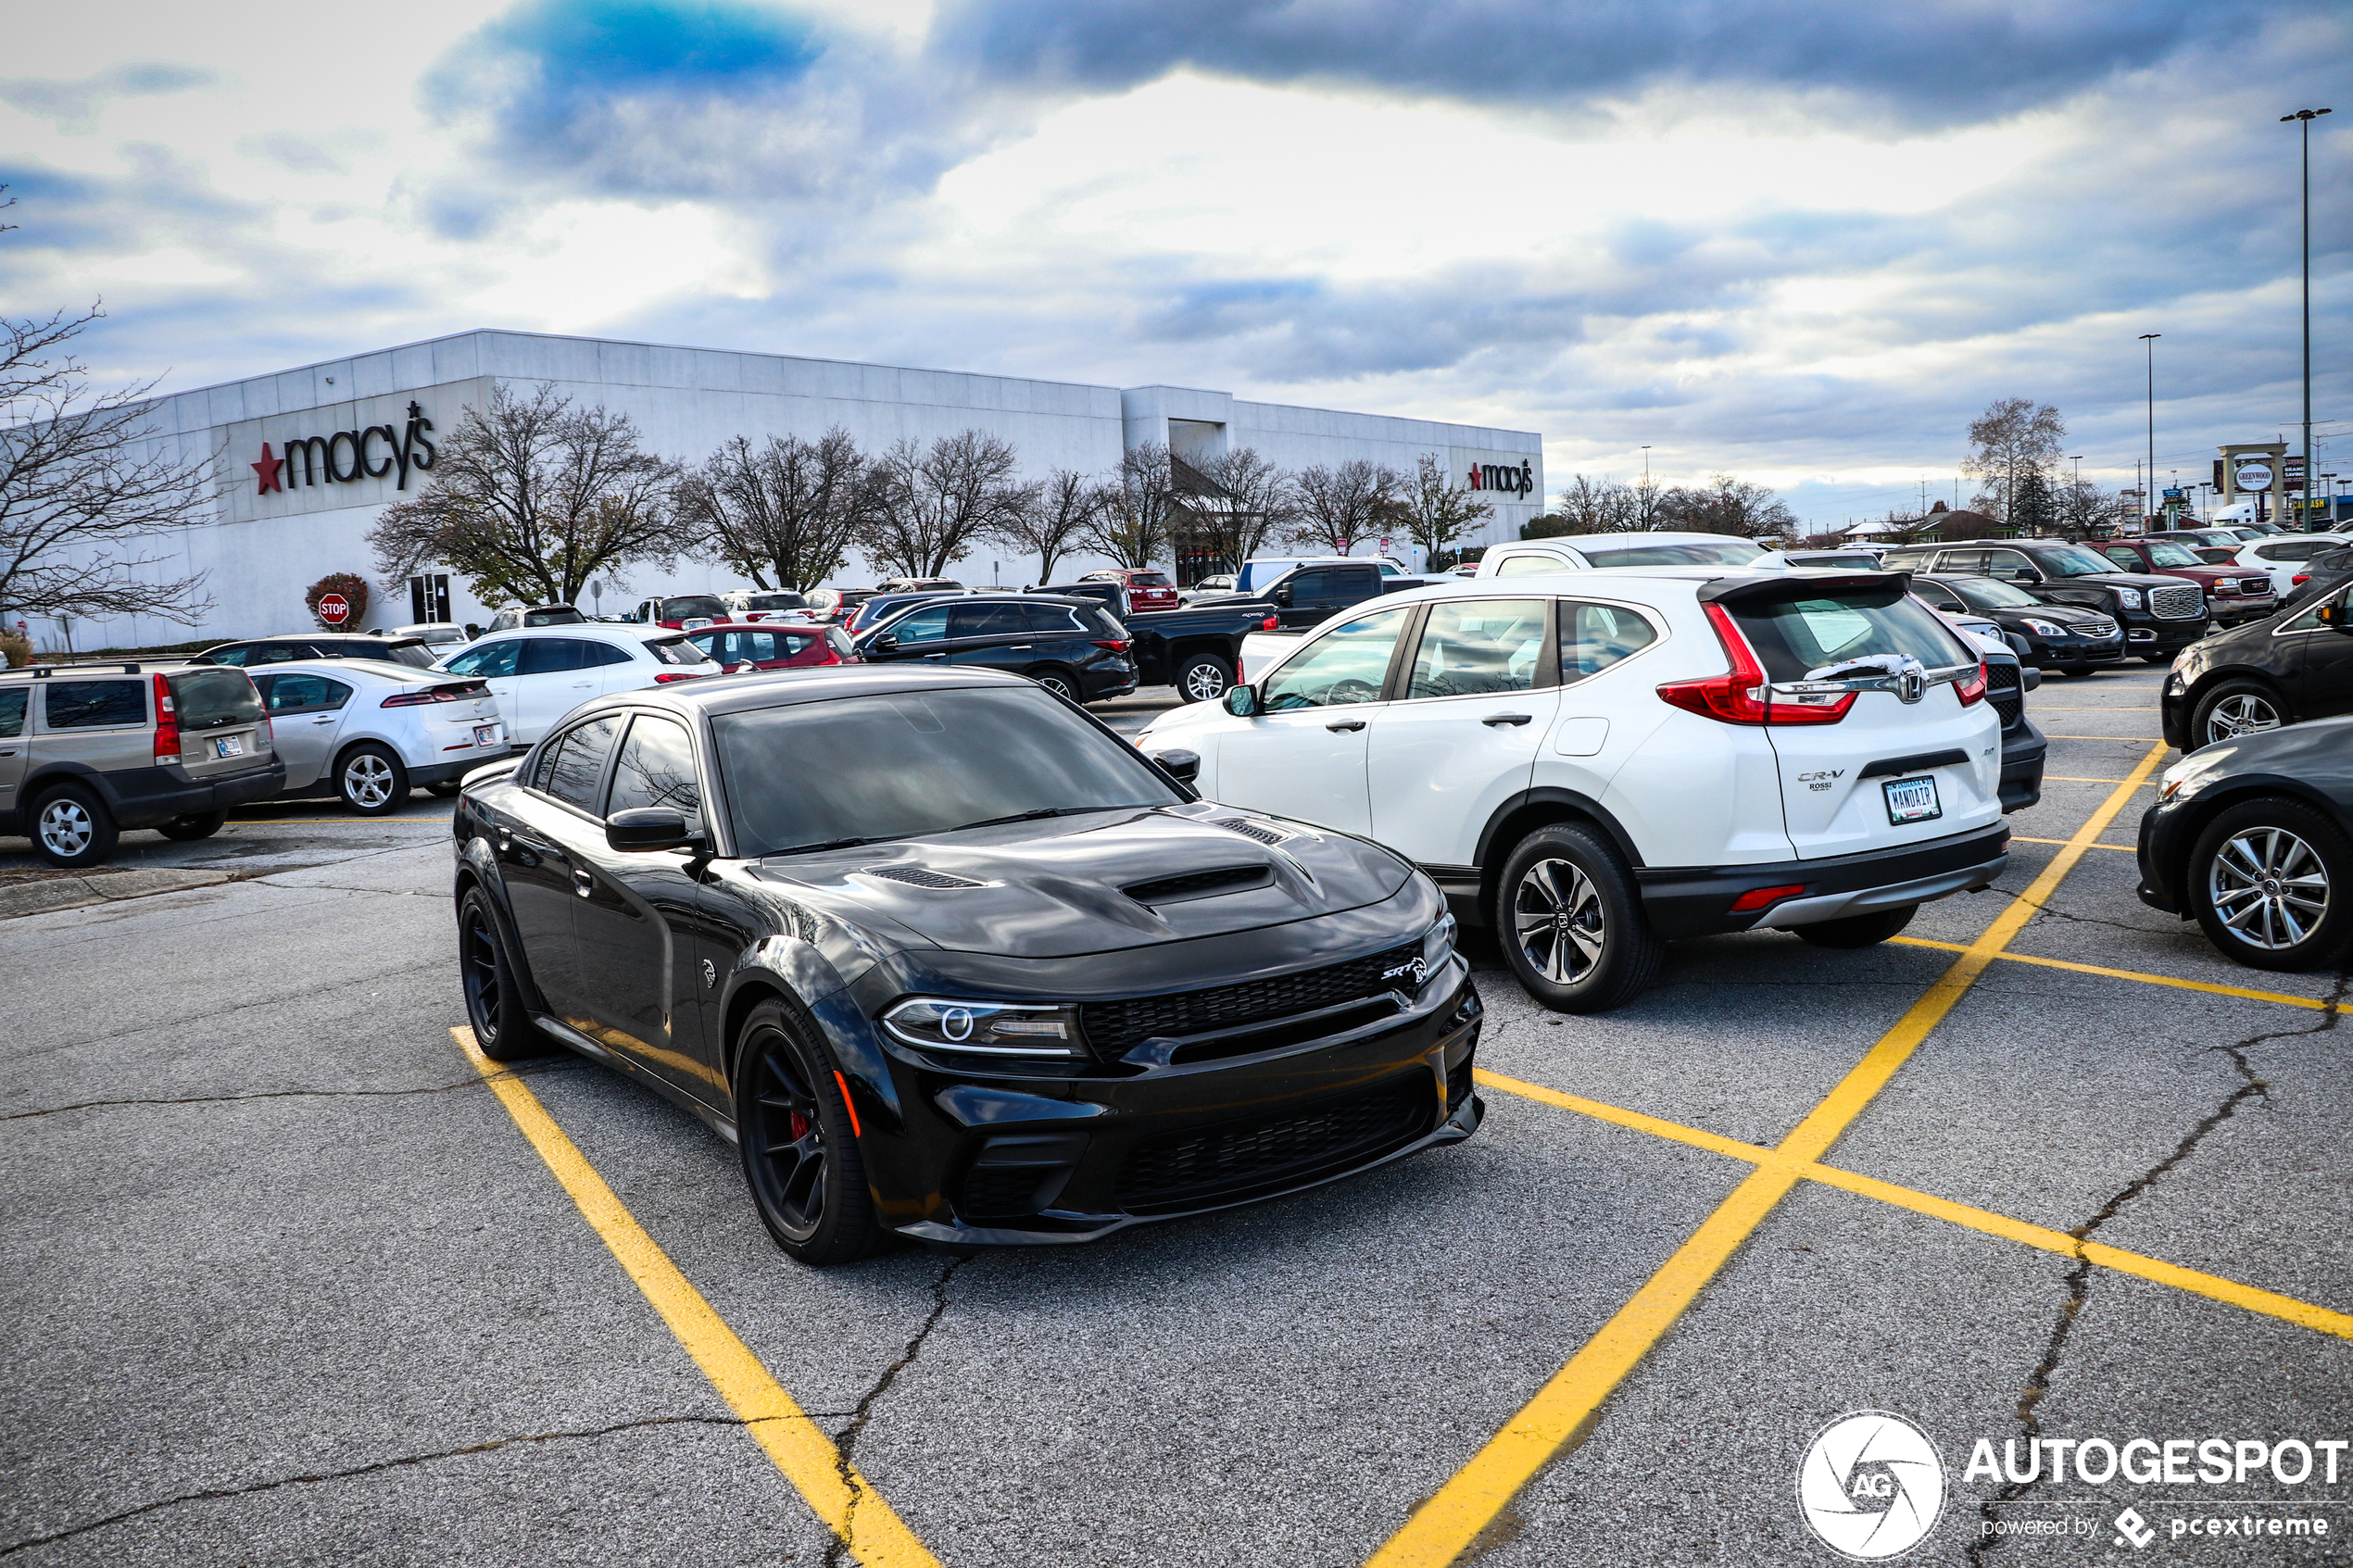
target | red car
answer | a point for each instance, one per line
(774, 644)
(1147, 589)
(2234, 594)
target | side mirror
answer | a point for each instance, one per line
(1183, 766)
(2334, 617)
(886, 643)
(1242, 702)
(644, 828)
(1282, 596)
(743, 667)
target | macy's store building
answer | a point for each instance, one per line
(305, 460)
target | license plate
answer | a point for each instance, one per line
(694, 623)
(486, 735)
(229, 746)
(1912, 800)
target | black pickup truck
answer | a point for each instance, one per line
(1196, 649)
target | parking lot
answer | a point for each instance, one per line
(298, 1277)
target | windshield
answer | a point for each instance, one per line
(1819, 563)
(2164, 552)
(1724, 552)
(1147, 580)
(2071, 561)
(1807, 634)
(926, 762)
(775, 601)
(1985, 592)
(690, 605)
(209, 698)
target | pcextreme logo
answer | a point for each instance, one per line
(348, 456)
(1870, 1486)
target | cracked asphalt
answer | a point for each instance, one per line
(286, 1284)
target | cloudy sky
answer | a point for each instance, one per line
(1802, 242)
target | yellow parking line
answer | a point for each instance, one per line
(2144, 740)
(2283, 998)
(838, 1493)
(1561, 1412)
(2065, 778)
(2058, 707)
(2254, 1299)
(2022, 838)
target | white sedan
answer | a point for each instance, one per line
(369, 731)
(540, 673)
(2284, 554)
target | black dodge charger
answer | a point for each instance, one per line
(945, 956)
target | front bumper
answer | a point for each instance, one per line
(1022, 1154)
(2161, 853)
(2145, 635)
(2235, 611)
(2075, 652)
(1697, 901)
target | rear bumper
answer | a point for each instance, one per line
(146, 797)
(1697, 901)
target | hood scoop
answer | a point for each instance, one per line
(1198, 885)
(1248, 829)
(917, 876)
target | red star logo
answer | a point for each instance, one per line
(268, 468)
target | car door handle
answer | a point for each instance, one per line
(1345, 724)
(935, 656)
(581, 882)
(582, 685)
(325, 719)
(1020, 648)
(1494, 719)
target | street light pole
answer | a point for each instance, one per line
(2150, 482)
(1646, 489)
(2304, 119)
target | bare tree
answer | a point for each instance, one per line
(78, 494)
(1726, 505)
(1049, 517)
(1253, 502)
(937, 502)
(1133, 530)
(2012, 438)
(1340, 507)
(1599, 506)
(1439, 512)
(788, 509)
(531, 498)
(2081, 510)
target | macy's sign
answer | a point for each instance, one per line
(349, 455)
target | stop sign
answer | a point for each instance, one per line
(334, 609)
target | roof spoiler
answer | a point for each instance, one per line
(1877, 589)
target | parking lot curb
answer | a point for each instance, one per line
(102, 888)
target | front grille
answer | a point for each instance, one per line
(2172, 604)
(915, 876)
(1116, 1028)
(1185, 1169)
(1000, 1192)
(2096, 628)
(1459, 1083)
(1194, 884)
(2002, 689)
(2255, 585)
(2011, 707)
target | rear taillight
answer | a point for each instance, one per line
(2299, 578)
(167, 723)
(1758, 897)
(416, 700)
(1116, 644)
(1742, 694)
(668, 676)
(1971, 688)
(1270, 624)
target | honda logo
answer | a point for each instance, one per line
(1910, 686)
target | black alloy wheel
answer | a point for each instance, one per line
(799, 1143)
(1204, 678)
(72, 828)
(371, 779)
(495, 1006)
(2235, 709)
(195, 825)
(1858, 931)
(1571, 924)
(2262, 882)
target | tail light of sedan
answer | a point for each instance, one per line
(669, 677)
(462, 691)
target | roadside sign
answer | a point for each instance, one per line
(2252, 476)
(334, 609)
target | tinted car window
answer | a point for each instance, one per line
(2164, 552)
(1967, 562)
(492, 660)
(1593, 637)
(209, 698)
(12, 710)
(1347, 664)
(551, 656)
(1309, 587)
(594, 653)
(1050, 620)
(2071, 561)
(987, 620)
(656, 768)
(689, 604)
(926, 763)
(2130, 559)
(1478, 646)
(1989, 593)
(1808, 632)
(1711, 552)
(297, 693)
(922, 626)
(573, 766)
(674, 650)
(95, 704)
(417, 655)
(1147, 580)
(2290, 549)
(775, 601)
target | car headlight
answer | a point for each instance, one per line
(1439, 946)
(2045, 628)
(2184, 774)
(2129, 598)
(986, 1028)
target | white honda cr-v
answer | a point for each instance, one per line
(1600, 761)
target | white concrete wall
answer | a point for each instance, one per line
(260, 551)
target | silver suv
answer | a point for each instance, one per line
(87, 750)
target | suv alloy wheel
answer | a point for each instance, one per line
(1571, 924)
(2262, 882)
(2233, 708)
(72, 829)
(1203, 678)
